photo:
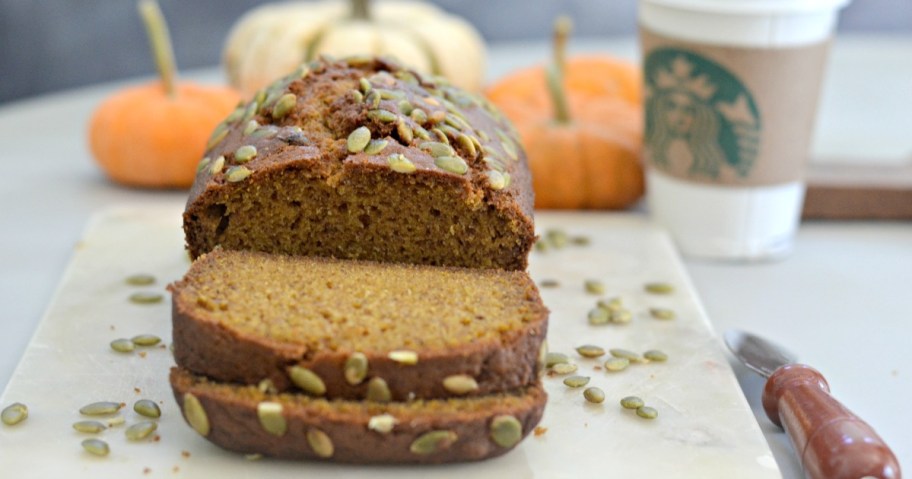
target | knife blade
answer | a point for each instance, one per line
(830, 440)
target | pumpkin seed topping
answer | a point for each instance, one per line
(506, 430)
(251, 127)
(89, 427)
(382, 116)
(662, 313)
(259, 98)
(590, 351)
(365, 85)
(405, 132)
(496, 179)
(251, 110)
(375, 146)
(202, 165)
(576, 381)
(270, 415)
(647, 412)
(452, 164)
(140, 430)
(237, 173)
(400, 164)
(217, 165)
(235, 115)
(632, 402)
(307, 380)
(356, 368)
(465, 141)
(440, 135)
(372, 99)
(101, 408)
(14, 414)
(265, 131)
(616, 364)
(390, 94)
(148, 408)
(433, 441)
(284, 105)
(145, 340)
(357, 96)
(594, 395)
(219, 134)
(420, 132)
(460, 384)
(552, 359)
(196, 415)
(358, 60)
(403, 356)
(123, 345)
(320, 443)
(594, 286)
(245, 153)
(406, 76)
(96, 447)
(542, 361)
(358, 139)
(383, 423)
(405, 107)
(437, 149)
(419, 116)
(266, 386)
(438, 116)
(658, 288)
(140, 280)
(656, 356)
(564, 368)
(378, 391)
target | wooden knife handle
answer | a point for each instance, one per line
(831, 441)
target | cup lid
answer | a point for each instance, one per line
(752, 7)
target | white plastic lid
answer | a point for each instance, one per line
(752, 7)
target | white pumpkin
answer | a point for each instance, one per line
(273, 39)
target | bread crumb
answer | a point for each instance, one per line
(147, 470)
(137, 390)
(176, 469)
(142, 354)
(185, 453)
(597, 368)
(156, 438)
(540, 431)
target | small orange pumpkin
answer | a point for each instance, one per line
(154, 135)
(581, 122)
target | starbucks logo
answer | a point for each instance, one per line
(701, 121)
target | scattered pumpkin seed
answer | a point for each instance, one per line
(140, 430)
(632, 402)
(594, 286)
(576, 381)
(145, 340)
(541, 246)
(658, 288)
(564, 368)
(378, 391)
(146, 297)
(89, 427)
(365, 85)
(383, 423)
(307, 380)
(284, 105)
(116, 420)
(594, 395)
(662, 313)
(405, 132)
(580, 240)
(436, 148)
(96, 447)
(590, 351)
(506, 430)
(14, 414)
(598, 316)
(622, 316)
(549, 283)
(433, 441)
(245, 153)
(612, 305)
(219, 134)
(320, 443)
(196, 415)
(382, 116)
(552, 359)
(402, 356)
(557, 238)
(452, 164)
(542, 361)
(355, 368)
(358, 139)
(217, 165)
(253, 457)
(203, 164)
(101, 408)
(616, 364)
(375, 146)
(123, 345)
(656, 356)
(270, 415)
(140, 280)
(647, 412)
(496, 179)
(237, 173)
(460, 384)
(627, 354)
(148, 408)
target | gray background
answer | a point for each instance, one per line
(47, 45)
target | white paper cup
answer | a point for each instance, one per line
(731, 93)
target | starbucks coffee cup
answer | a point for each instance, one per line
(731, 90)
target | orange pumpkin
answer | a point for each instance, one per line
(154, 135)
(581, 122)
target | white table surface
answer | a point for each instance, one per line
(842, 300)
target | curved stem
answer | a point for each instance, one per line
(360, 9)
(160, 42)
(562, 28)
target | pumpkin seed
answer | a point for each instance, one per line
(89, 427)
(365, 85)
(320, 443)
(253, 457)
(510, 149)
(384, 423)
(372, 99)
(196, 415)
(148, 408)
(140, 430)
(483, 135)
(496, 179)
(14, 414)
(405, 107)
(433, 441)
(402, 356)
(662, 313)
(123, 345)
(234, 115)
(407, 77)
(460, 384)
(440, 135)
(632, 402)
(552, 359)
(580, 240)
(245, 153)
(400, 164)
(437, 149)
(405, 132)
(594, 395)
(576, 381)
(467, 144)
(495, 164)
(655, 355)
(96, 447)
(420, 132)
(647, 412)
(658, 288)
(270, 415)
(358, 139)
(217, 165)
(146, 297)
(390, 94)
(357, 96)
(378, 391)
(437, 116)
(598, 316)
(627, 354)
(612, 305)
(145, 340)
(419, 116)
(507, 179)
(454, 122)
(266, 386)
(237, 173)
(590, 351)
(219, 134)
(359, 60)
(542, 361)
(116, 421)
(616, 364)
(251, 110)
(265, 131)
(452, 164)
(251, 127)
(259, 98)
(141, 279)
(506, 430)
(594, 286)
(549, 283)
(102, 408)
(564, 368)
(382, 116)
(284, 105)
(557, 238)
(356, 368)
(203, 164)
(621, 316)
(307, 380)
(375, 146)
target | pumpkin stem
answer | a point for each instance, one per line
(562, 27)
(360, 10)
(160, 42)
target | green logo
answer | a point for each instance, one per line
(699, 114)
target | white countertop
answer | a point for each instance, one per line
(841, 301)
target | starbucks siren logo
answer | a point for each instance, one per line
(699, 117)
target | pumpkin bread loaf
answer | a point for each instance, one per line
(357, 330)
(363, 159)
(294, 426)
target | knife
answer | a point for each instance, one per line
(831, 441)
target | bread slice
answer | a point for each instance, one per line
(248, 420)
(428, 332)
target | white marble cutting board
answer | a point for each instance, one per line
(704, 430)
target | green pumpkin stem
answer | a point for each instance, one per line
(360, 9)
(160, 42)
(562, 28)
